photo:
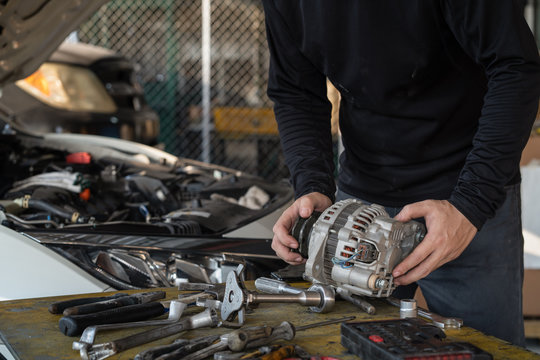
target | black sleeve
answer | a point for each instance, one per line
(495, 34)
(302, 110)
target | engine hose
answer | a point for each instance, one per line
(29, 223)
(73, 217)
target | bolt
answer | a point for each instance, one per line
(381, 283)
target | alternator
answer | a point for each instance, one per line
(354, 247)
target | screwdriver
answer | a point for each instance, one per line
(256, 336)
(279, 354)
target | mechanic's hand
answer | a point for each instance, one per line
(449, 232)
(303, 206)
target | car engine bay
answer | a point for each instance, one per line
(132, 216)
(51, 189)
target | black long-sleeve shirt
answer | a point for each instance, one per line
(438, 97)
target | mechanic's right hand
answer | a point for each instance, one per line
(282, 242)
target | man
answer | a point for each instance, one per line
(438, 99)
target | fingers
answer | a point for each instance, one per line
(413, 211)
(282, 243)
(418, 265)
(285, 253)
(283, 225)
(429, 264)
(314, 201)
(305, 207)
(449, 233)
(422, 251)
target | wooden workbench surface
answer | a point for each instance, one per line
(32, 332)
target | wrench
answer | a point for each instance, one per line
(440, 321)
(210, 292)
(102, 351)
(257, 336)
(88, 336)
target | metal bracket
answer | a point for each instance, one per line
(234, 299)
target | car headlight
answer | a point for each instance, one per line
(68, 87)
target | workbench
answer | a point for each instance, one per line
(32, 332)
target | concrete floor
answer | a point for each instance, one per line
(533, 345)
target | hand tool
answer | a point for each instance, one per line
(75, 324)
(273, 286)
(356, 300)
(59, 306)
(407, 308)
(140, 298)
(102, 351)
(279, 354)
(256, 336)
(237, 299)
(399, 339)
(179, 351)
(229, 355)
(205, 291)
(156, 351)
(438, 320)
(88, 336)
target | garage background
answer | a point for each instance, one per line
(203, 65)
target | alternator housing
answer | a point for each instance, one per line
(355, 246)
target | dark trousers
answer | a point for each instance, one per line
(483, 285)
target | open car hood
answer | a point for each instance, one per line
(31, 30)
(132, 216)
(127, 215)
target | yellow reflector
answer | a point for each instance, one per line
(38, 81)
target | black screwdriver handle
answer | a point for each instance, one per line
(59, 306)
(75, 324)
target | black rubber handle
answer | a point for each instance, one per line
(60, 306)
(101, 306)
(75, 324)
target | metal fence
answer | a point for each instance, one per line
(203, 65)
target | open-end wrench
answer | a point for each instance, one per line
(88, 336)
(75, 324)
(207, 318)
(438, 320)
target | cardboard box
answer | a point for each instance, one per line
(531, 292)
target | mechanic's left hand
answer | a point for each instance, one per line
(449, 232)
